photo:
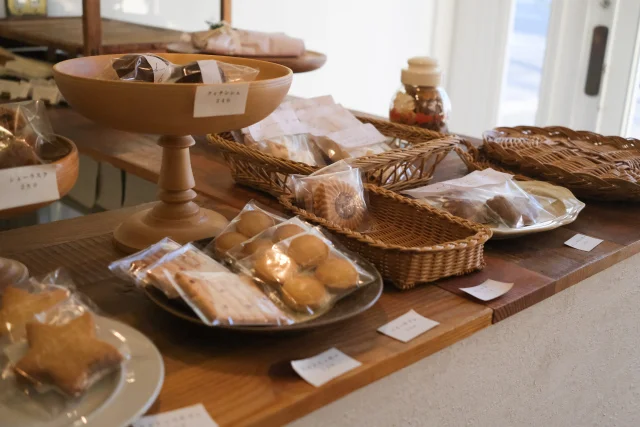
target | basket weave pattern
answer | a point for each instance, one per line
(409, 242)
(589, 164)
(396, 169)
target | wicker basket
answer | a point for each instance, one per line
(591, 165)
(410, 242)
(261, 171)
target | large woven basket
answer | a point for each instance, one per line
(591, 165)
(395, 169)
(409, 242)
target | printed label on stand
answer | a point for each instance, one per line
(582, 242)
(210, 71)
(324, 367)
(408, 326)
(191, 416)
(27, 185)
(489, 290)
(225, 99)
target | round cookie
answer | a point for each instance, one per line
(229, 240)
(337, 274)
(339, 203)
(256, 245)
(285, 231)
(303, 292)
(308, 250)
(254, 222)
(275, 267)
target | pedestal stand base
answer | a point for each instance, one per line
(143, 229)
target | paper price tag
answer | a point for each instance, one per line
(191, 416)
(489, 290)
(161, 70)
(582, 242)
(27, 185)
(210, 71)
(408, 326)
(324, 367)
(225, 99)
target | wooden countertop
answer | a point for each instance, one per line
(539, 265)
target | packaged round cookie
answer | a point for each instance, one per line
(251, 221)
(335, 193)
(133, 267)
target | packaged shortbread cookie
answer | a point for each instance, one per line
(252, 220)
(133, 267)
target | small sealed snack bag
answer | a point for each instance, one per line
(307, 272)
(251, 221)
(156, 69)
(486, 197)
(225, 298)
(335, 193)
(134, 267)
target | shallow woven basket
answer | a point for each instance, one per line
(591, 165)
(409, 242)
(395, 169)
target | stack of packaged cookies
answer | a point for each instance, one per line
(52, 348)
(262, 269)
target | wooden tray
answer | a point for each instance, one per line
(591, 165)
(310, 61)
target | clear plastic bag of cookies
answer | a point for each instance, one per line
(267, 238)
(308, 272)
(252, 220)
(133, 267)
(152, 68)
(487, 197)
(335, 193)
(67, 349)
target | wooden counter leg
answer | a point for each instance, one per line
(176, 215)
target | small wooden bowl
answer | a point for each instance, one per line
(66, 175)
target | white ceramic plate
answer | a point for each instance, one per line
(565, 207)
(115, 401)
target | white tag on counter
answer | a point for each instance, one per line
(27, 185)
(210, 71)
(225, 99)
(191, 416)
(324, 367)
(161, 70)
(489, 290)
(582, 242)
(357, 136)
(408, 326)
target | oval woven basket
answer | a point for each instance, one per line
(396, 169)
(409, 242)
(591, 165)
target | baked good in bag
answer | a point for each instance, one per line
(308, 250)
(273, 266)
(340, 203)
(285, 231)
(514, 212)
(254, 222)
(137, 67)
(67, 356)
(473, 210)
(15, 152)
(302, 293)
(19, 307)
(337, 274)
(229, 240)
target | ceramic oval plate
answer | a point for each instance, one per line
(564, 206)
(351, 305)
(115, 401)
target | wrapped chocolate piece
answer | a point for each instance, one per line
(155, 69)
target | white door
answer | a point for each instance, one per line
(546, 62)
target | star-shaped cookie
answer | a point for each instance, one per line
(19, 306)
(67, 356)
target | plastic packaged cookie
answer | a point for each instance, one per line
(487, 197)
(252, 220)
(153, 68)
(133, 267)
(335, 193)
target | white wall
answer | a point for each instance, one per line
(367, 43)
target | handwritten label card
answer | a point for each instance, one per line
(191, 416)
(582, 242)
(27, 185)
(491, 289)
(225, 99)
(324, 367)
(408, 326)
(161, 70)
